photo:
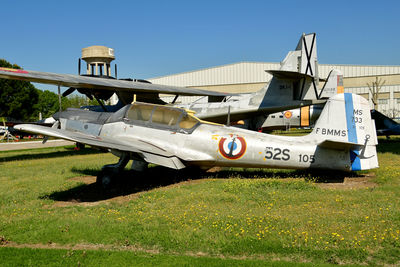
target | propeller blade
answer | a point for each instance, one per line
(68, 91)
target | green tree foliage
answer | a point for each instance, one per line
(17, 98)
(20, 100)
(48, 103)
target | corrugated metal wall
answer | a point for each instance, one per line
(254, 72)
(243, 72)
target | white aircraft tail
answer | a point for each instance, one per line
(345, 124)
(304, 58)
(297, 78)
(333, 84)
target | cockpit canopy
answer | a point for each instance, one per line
(156, 116)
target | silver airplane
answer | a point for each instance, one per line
(343, 139)
(385, 125)
(294, 85)
(304, 116)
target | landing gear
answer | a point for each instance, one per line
(105, 178)
(109, 173)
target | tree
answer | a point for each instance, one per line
(47, 104)
(17, 98)
(20, 100)
(374, 89)
(77, 101)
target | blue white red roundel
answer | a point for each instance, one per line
(232, 147)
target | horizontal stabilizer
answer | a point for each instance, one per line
(293, 75)
(339, 145)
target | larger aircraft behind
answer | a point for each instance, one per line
(343, 139)
(295, 84)
(385, 125)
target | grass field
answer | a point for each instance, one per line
(53, 214)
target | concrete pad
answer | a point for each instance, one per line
(33, 144)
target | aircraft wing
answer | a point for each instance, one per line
(149, 152)
(78, 81)
(220, 116)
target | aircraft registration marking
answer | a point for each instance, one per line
(307, 158)
(13, 70)
(332, 132)
(277, 153)
(232, 147)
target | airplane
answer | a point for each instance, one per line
(385, 125)
(306, 117)
(303, 117)
(294, 85)
(343, 139)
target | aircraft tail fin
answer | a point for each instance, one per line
(297, 77)
(304, 58)
(345, 124)
(333, 84)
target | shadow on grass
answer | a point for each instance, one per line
(391, 145)
(131, 182)
(316, 176)
(46, 155)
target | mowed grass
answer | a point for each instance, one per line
(235, 217)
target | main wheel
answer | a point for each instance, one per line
(105, 179)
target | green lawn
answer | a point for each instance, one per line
(242, 217)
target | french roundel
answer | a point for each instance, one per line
(288, 114)
(232, 147)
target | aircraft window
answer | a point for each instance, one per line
(273, 116)
(188, 122)
(140, 112)
(280, 116)
(165, 116)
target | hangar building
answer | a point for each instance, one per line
(246, 77)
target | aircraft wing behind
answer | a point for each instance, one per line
(78, 81)
(148, 152)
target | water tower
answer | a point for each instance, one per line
(98, 59)
(98, 63)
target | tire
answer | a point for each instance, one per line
(105, 179)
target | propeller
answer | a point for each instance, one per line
(86, 92)
(68, 91)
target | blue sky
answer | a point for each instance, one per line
(155, 38)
